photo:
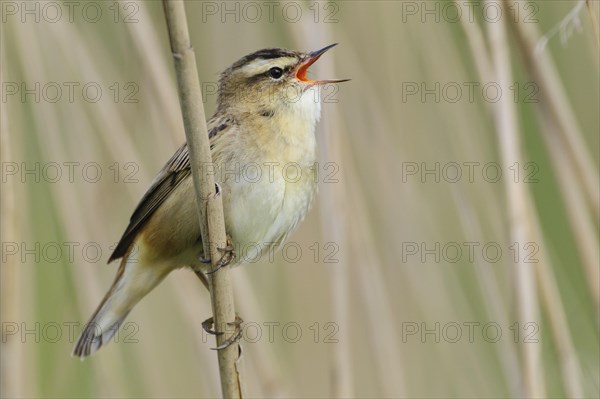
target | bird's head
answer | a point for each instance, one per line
(272, 81)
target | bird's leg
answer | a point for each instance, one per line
(226, 258)
(208, 323)
(204, 260)
(202, 277)
(198, 269)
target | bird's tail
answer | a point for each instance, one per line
(133, 281)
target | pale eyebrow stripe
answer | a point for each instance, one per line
(262, 65)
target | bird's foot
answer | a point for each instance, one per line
(226, 258)
(208, 323)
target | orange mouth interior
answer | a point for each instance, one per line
(301, 73)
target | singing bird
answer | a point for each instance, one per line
(262, 131)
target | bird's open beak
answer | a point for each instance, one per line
(312, 58)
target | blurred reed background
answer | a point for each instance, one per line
(386, 319)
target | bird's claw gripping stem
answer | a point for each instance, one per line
(208, 323)
(226, 258)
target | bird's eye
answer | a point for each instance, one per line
(275, 72)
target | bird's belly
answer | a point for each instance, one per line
(260, 214)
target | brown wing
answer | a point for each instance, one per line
(169, 177)
(174, 172)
